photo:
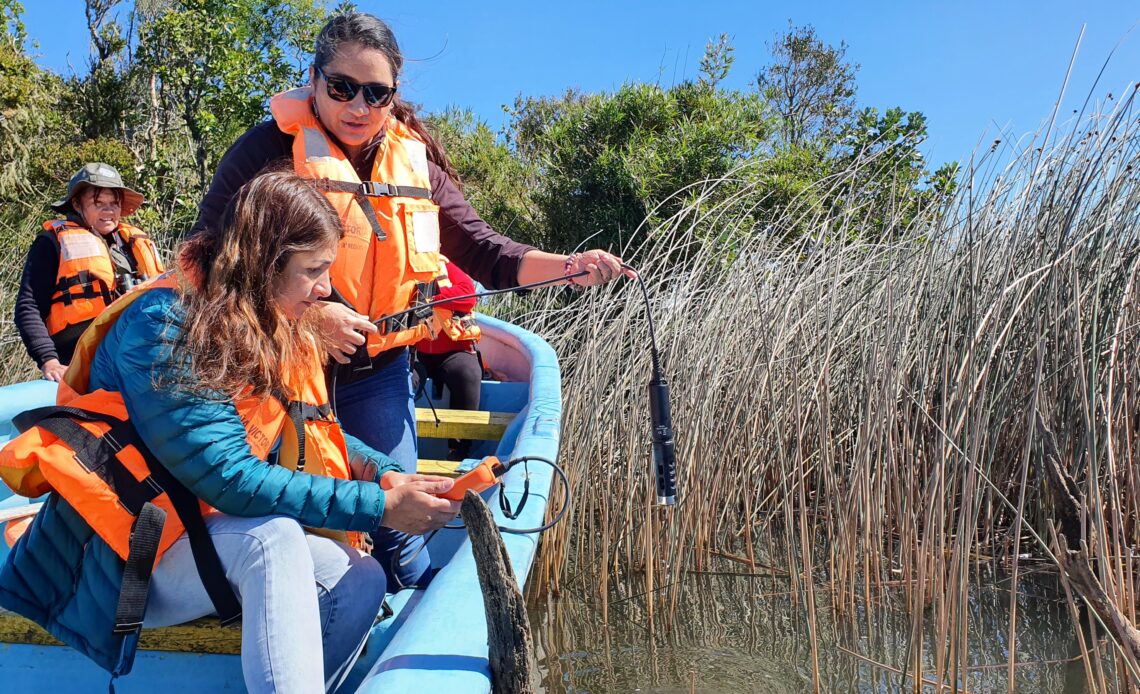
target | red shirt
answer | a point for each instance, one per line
(461, 285)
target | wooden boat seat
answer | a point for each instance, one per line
(477, 425)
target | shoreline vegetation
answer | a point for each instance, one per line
(856, 419)
(894, 387)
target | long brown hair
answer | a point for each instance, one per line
(371, 32)
(234, 336)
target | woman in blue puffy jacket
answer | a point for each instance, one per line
(180, 358)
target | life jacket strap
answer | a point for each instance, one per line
(210, 568)
(376, 189)
(133, 591)
(97, 453)
(92, 287)
(372, 189)
(415, 314)
(299, 413)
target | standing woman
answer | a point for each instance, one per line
(207, 365)
(396, 193)
(78, 265)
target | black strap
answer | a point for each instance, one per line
(299, 413)
(357, 189)
(30, 418)
(415, 314)
(373, 189)
(376, 189)
(98, 453)
(296, 415)
(213, 576)
(145, 534)
(135, 586)
(93, 287)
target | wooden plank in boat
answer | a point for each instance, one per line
(446, 468)
(204, 635)
(477, 425)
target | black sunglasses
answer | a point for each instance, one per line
(340, 89)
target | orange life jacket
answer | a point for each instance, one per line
(459, 326)
(85, 450)
(69, 450)
(85, 282)
(389, 258)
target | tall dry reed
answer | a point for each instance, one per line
(858, 417)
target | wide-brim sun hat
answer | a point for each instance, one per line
(98, 175)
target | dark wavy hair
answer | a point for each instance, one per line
(371, 32)
(235, 340)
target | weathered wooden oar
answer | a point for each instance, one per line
(508, 631)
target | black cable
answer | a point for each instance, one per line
(484, 293)
(529, 531)
(660, 417)
(394, 563)
(649, 319)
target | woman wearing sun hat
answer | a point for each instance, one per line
(78, 265)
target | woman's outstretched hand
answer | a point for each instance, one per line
(602, 266)
(410, 504)
(342, 329)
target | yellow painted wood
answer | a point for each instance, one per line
(446, 468)
(477, 425)
(205, 635)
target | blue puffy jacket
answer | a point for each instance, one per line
(64, 577)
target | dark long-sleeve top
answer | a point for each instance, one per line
(33, 302)
(465, 238)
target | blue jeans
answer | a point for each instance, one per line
(301, 595)
(380, 411)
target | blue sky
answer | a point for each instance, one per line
(978, 70)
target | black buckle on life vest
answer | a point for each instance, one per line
(299, 413)
(91, 287)
(415, 314)
(376, 189)
(379, 189)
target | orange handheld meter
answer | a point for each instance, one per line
(484, 476)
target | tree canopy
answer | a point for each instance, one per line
(170, 84)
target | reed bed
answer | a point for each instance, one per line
(858, 416)
(741, 633)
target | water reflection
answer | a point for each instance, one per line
(749, 634)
